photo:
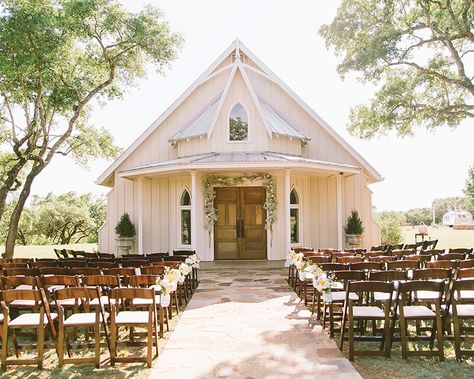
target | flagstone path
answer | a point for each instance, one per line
(245, 322)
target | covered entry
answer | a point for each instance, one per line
(239, 232)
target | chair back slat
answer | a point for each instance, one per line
(366, 266)
(371, 286)
(132, 293)
(388, 275)
(154, 270)
(10, 295)
(432, 273)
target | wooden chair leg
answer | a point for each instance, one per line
(113, 339)
(149, 349)
(351, 335)
(176, 303)
(60, 344)
(439, 329)
(457, 337)
(40, 345)
(4, 346)
(388, 335)
(97, 344)
(403, 337)
(161, 322)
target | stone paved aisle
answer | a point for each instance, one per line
(245, 322)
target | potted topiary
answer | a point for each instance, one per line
(354, 230)
(125, 231)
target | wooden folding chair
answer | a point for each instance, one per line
(466, 252)
(408, 309)
(149, 281)
(451, 257)
(83, 271)
(18, 272)
(131, 318)
(466, 263)
(402, 265)
(34, 320)
(434, 253)
(461, 310)
(44, 271)
(20, 283)
(73, 263)
(332, 311)
(134, 263)
(82, 317)
(184, 252)
(379, 248)
(104, 264)
(349, 259)
(394, 247)
(121, 272)
(427, 245)
(106, 283)
(367, 266)
(400, 253)
(106, 255)
(442, 264)
(353, 312)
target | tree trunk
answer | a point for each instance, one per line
(9, 183)
(16, 214)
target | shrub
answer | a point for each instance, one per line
(391, 231)
(354, 224)
(125, 227)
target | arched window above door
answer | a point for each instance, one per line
(185, 218)
(238, 124)
(294, 217)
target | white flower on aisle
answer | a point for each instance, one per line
(164, 286)
(314, 269)
(322, 283)
(289, 258)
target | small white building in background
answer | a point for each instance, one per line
(458, 219)
(239, 120)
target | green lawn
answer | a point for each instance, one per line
(46, 251)
(447, 237)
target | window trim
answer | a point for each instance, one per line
(181, 208)
(298, 207)
(249, 134)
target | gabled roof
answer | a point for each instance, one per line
(279, 124)
(201, 124)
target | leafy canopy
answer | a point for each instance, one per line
(419, 52)
(469, 189)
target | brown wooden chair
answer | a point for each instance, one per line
(354, 312)
(173, 264)
(409, 310)
(328, 251)
(131, 318)
(106, 283)
(367, 266)
(379, 248)
(7, 265)
(135, 263)
(464, 273)
(318, 259)
(372, 254)
(20, 283)
(21, 260)
(394, 247)
(410, 246)
(82, 317)
(40, 264)
(175, 258)
(451, 256)
(402, 265)
(106, 255)
(51, 283)
(420, 258)
(381, 258)
(18, 272)
(442, 264)
(317, 304)
(400, 253)
(149, 281)
(83, 271)
(121, 271)
(466, 263)
(334, 309)
(466, 252)
(428, 245)
(461, 310)
(349, 259)
(31, 320)
(104, 264)
(329, 267)
(356, 251)
(52, 271)
(72, 262)
(434, 253)
(184, 252)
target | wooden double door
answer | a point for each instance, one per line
(239, 232)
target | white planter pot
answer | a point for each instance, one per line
(124, 245)
(165, 300)
(327, 297)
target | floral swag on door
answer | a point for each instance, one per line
(209, 194)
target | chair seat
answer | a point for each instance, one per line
(23, 303)
(465, 295)
(104, 300)
(65, 302)
(132, 318)
(77, 319)
(427, 295)
(383, 296)
(24, 287)
(417, 311)
(464, 310)
(55, 287)
(367, 312)
(137, 302)
(30, 319)
(341, 296)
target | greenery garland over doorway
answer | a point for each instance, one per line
(209, 194)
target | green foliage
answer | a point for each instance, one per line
(238, 130)
(417, 216)
(354, 224)
(469, 189)
(59, 219)
(417, 52)
(125, 227)
(390, 223)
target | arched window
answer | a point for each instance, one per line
(238, 124)
(294, 217)
(185, 218)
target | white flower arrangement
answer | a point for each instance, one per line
(323, 283)
(301, 264)
(165, 286)
(193, 261)
(314, 269)
(297, 257)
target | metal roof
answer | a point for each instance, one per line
(236, 158)
(278, 124)
(201, 124)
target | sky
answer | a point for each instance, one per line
(284, 35)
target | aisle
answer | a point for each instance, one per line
(245, 322)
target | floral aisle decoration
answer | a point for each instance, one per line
(184, 269)
(209, 194)
(193, 261)
(323, 283)
(165, 287)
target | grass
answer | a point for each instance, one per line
(47, 251)
(447, 237)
